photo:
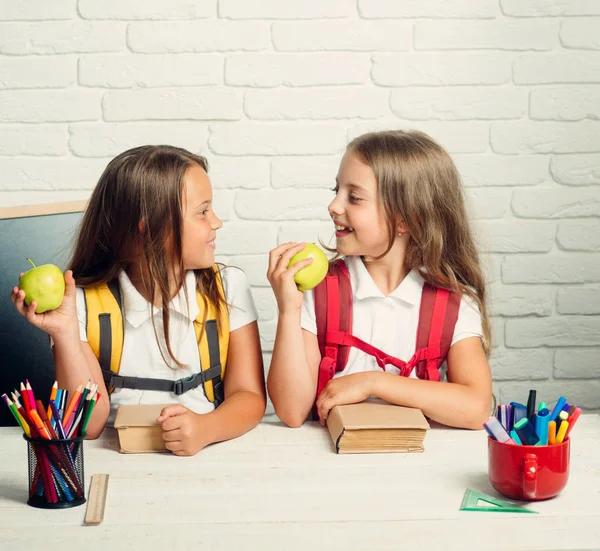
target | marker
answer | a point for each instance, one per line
(509, 417)
(541, 425)
(515, 437)
(552, 432)
(572, 419)
(560, 436)
(495, 429)
(526, 432)
(562, 418)
(531, 404)
(519, 411)
(558, 408)
(502, 416)
(542, 406)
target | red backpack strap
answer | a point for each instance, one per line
(437, 318)
(333, 311)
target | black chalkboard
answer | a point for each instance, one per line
(46, 238)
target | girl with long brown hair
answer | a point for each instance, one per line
(418, 298)
(176, 320)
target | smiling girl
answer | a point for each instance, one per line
(415, 286)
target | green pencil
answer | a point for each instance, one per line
(13, 410)
(88, 415)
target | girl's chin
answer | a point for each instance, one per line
(207, 263)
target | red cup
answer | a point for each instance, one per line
(529, 473)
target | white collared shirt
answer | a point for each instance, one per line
(388, 322)
(141, 355)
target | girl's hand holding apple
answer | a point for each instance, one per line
(294, 268)
(46, 298)
(281, 278)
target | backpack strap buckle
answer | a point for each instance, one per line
(187, 383)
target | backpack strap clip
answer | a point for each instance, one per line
(178, 387)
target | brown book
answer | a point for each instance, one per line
(138, 430)
(376, 427)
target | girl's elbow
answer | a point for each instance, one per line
(294, 422)
(94, 433)
(293, 419)
(479, 415)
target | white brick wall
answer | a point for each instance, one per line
(271, 91)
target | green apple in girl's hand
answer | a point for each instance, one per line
(45, 285)
(310, 276)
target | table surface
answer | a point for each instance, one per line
(285, 489)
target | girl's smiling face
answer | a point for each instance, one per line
(200, 223)
(357, 211)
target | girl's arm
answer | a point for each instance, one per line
(463, 402)
(75, 363)
(292, 379)
(245, 400)
(74, 360)
(186, 432)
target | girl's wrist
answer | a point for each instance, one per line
(207, 423)
(290, 315)
(66, 336)
(372, 382)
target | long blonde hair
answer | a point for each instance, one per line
(134, 213)
(418, 183)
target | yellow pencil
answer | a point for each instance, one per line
(552, 432)
(562, 431)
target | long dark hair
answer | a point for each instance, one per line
(133, 216)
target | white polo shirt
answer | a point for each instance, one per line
(141, 355)
(388, 322)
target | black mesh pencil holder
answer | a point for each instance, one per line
(56, 477)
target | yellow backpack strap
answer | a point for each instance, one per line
(105, 326)
(213, 345)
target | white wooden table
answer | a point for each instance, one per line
(284, 489)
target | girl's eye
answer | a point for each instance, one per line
(203, 212)
(354, 198)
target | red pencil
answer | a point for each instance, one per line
(25, 397)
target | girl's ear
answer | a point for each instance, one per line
(401, 226)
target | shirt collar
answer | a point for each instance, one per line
(138, 309)
(409, 290)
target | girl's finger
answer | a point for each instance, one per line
(276, 254)
(171, 435)
(285, 258)
(30, 314)
(69, 284)
(174, 446)
(293, 270)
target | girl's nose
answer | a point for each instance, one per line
(216, 223)
(335, 207)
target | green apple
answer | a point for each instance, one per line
(45, 285)
(310, 276)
